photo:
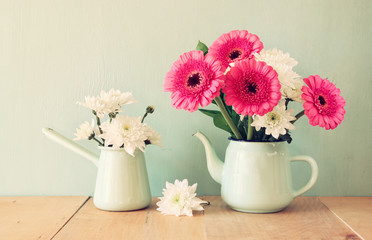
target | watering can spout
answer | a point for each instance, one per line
(62, 140)
(214, 164)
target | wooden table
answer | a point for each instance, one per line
(76, 218)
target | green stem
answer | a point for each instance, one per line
(244, 122)
(99, 126)
(250, 128)
(149, 109)
(143, 118)
(98, 122)
(300, 114)
(227, 117)
(95, 139)
(287, 100)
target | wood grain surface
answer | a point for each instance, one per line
(91, 223)
(76, 218)
(27, 218)
(305, 218)
(356, 212)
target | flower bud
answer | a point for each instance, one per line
(150, 109)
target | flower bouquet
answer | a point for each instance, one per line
(117, 131)
(252, 88)
(122, 182)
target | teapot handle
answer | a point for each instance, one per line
(314, 173)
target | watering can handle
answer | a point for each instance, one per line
(314, 173)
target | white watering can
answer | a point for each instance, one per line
(122, 182)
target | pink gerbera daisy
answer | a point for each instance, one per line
(235, 46)
(193, 80)
(252, 87)
(323, 104)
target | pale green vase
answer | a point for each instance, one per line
(122, 183)
(256, 176)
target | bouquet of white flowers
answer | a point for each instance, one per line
(117, 131)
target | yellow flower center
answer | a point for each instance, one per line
(273, 119)
(176, 198)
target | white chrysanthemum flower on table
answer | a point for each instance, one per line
(85, 131)
(108, 102)
(124, 130)
(179, 199)
(282, 64)
(275, 122)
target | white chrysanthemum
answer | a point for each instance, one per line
(108, 102)
(282, 64)
(275, 122)
(114, 99)
(123, 130)
(96, 105)
(152, 136)
(275, 56)
(85, 131)
(179, 199)
(293, 93)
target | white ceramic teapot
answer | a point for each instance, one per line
(256, 176)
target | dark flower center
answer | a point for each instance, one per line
(322, 101)
(325, 104)
(235, 54)
(252, 87)
(194, 80)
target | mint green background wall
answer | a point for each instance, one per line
(53, 53)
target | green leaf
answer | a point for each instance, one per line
(210, 113)
(218, 119)
(202, 47)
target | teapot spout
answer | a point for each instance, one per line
(214, 164)
(62, 140)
